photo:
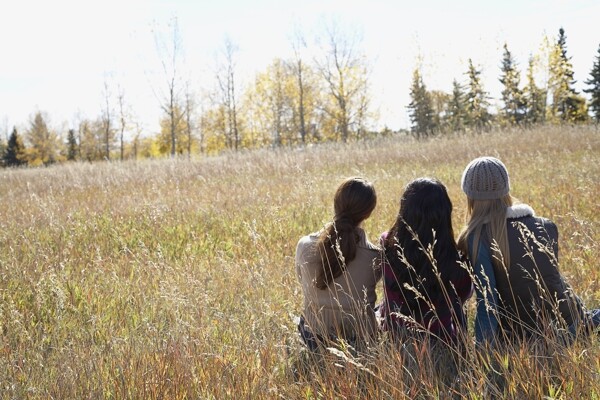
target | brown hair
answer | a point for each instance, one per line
(354, 201)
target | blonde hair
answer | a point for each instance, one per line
(490, 214)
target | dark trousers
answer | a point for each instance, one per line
(311, 340)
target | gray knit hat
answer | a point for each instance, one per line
(485, 178)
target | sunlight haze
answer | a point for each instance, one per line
(57, 55)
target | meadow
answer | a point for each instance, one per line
(174, 279)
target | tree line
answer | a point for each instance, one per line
(302, 100)
(467, 108)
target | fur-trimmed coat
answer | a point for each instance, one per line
(531, 292)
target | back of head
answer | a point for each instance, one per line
(486, 183)
(354, 201)
(425, 206)
(485, 178)
(425, 211)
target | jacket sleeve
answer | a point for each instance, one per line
(301, 256)
(486, 323)
(569, 305)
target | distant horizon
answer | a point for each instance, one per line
(61, 52)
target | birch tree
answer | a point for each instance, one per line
(122, 119)
(107, 117)
(189, 113)
(169, 97)
(227, 92)
(343, 68)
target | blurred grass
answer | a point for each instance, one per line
(175, 278)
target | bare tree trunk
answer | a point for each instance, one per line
(136, 139)
(345, 73)
(298, 43)
(226, 82)
(107, 120)
(122, 119)
(172, 117)
(234, 121)
(169, 101)
(189, 109)
(301, 103)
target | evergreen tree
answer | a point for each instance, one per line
(477, 114)
(534, 98)
(15, 151)
(456, 108)
(71, 145)
(513, 111)
(440, 101)
(567, 105)
(420, 107)
(2, 151)
(594, 90)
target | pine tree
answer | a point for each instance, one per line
(477, 114)
(439, 101)
(420, 108)
(567, 105)
(15, 151)
(513, 111)
(456, 108)
(71, 145)
(594, 90)
(2, 151)
(534, 98)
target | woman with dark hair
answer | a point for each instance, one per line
(425, 279)
(337, 271)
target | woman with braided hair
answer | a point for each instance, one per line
(338, 271)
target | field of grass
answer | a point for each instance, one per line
(175, 279)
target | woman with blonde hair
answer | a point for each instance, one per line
(338, 271)
(514, 255)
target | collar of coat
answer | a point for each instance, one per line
(519, 211)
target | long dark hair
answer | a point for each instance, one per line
(414, 254)
(354, 201)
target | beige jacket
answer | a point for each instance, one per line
(345, 308)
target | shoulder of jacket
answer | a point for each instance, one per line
(548, 225)
(519, 211)
(307, 243)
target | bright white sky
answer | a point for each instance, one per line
(56, 54)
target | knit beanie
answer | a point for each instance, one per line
(485, 178)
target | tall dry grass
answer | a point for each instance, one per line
(175, 279)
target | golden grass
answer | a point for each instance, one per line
(175, 279)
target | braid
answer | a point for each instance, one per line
(354, 201)
(338, 247)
